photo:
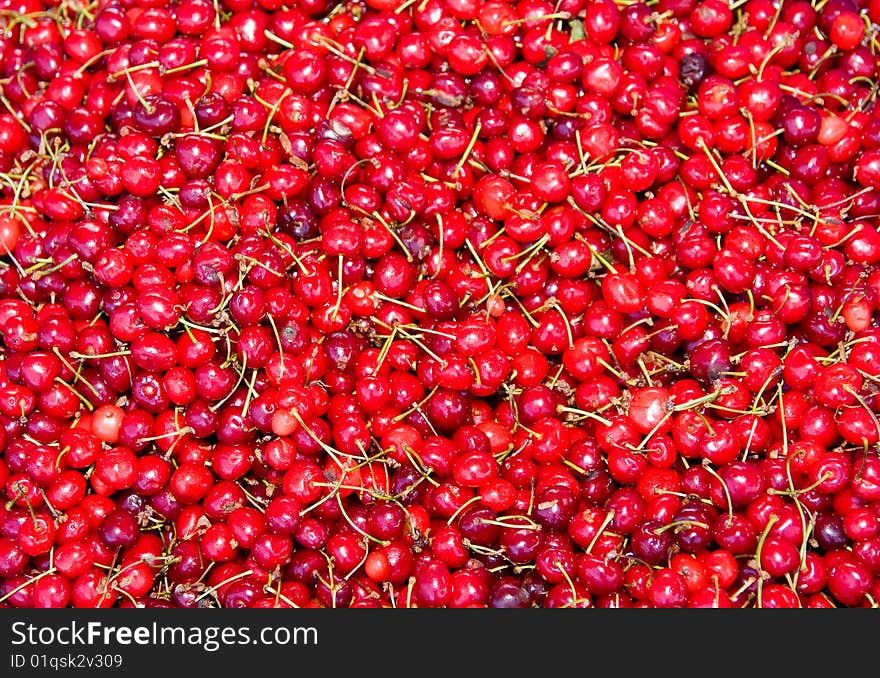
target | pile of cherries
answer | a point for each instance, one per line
(439, 303)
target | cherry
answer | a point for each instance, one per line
(848, 581)
(118, 529)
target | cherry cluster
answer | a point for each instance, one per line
(439, 303)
